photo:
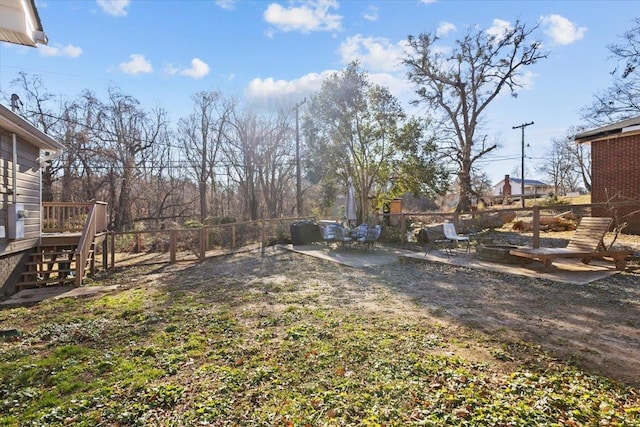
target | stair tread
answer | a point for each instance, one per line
(47, 255)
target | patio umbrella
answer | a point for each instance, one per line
(350, 208)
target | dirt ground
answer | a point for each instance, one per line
(594, 326)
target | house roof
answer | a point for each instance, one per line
(612, 129)
(20, 23)
(16, 124)
(533, 182)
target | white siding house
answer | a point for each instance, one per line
(532, 187)
(20, 23)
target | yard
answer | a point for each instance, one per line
(290, 340)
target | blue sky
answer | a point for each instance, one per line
(164, 51)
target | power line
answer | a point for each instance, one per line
(522, 126)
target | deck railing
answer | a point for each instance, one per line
(60, 217)
(84, 246)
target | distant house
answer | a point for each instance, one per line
(513, 187)
(615, 167)
(20, 23)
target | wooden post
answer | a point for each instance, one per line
(262, 237)
(203, 244)
(113, 251)
(105, 254)
(233, 237)
(173, 238)
(536, 227)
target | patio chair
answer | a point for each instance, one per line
(436, 239)
(328, 232)
(585, 244)
(359, 232)
(341, 237)
(372, 234)
(450, 233)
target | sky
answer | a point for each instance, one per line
(272, 52)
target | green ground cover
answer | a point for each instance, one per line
(247, 350)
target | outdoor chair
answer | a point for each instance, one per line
(359, 232)
(328, 232)
(585, 244)
(372, 234)
(436, 239)
(450, 233)
(341, 237)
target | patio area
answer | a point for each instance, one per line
(564, 270)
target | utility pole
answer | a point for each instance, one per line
(522, 126)
(298, 175)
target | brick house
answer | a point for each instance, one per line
(615, 169)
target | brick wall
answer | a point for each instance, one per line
(615, 166)
(10, 268)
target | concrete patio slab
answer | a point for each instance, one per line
(352, 257)
(562, 270)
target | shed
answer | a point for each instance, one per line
(615, 171)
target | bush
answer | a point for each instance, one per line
(192, 223)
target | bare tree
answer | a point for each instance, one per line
(124, 132)
(462, 83)
(622, 99)
(200, 136)
(36, 107)
(241, 151)
(277, 163)
(559, 167)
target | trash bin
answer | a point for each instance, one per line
(304, 232)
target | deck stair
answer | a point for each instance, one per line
(53, 264)
(65, 256)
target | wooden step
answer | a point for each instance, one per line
(32, 284)
(41, 272)
(43, 267)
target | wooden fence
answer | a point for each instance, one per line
(195, 244)
(533, 212)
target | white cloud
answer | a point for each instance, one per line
(371, 14)
(498, 28)
(374, 53)
(262, 92)
(170, 70)
(198, 69)
(445, 28)
(312, 15)
(398, 85)
(561, 30)
(69, 51)
(525, 80)
(114, 7)
(226, 4)
(137, 65)
(269, 32)
(270, 88)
